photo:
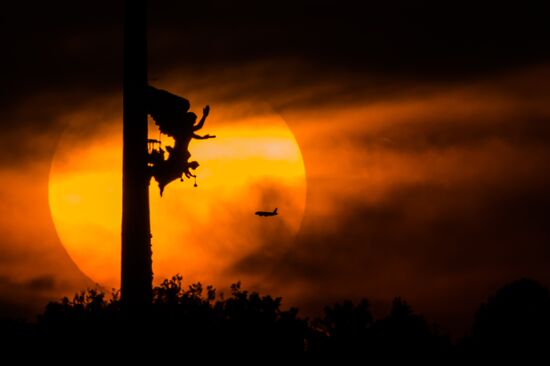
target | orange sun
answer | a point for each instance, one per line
(203, 233)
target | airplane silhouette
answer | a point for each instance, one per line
(266, 213)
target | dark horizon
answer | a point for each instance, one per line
(513, 322)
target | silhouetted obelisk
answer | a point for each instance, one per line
(137, 274)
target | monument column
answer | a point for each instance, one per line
(137, 274)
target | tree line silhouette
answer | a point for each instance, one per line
(184, 321)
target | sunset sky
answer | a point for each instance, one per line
(408, 143)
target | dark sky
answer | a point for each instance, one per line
(53, 47)
(446, 100)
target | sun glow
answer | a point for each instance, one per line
(254, 163)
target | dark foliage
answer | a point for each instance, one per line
(184, 321)
(180, 319)
(351, 330)
(515, 322)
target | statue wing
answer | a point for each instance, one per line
(166, 109)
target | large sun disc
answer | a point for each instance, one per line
(203, 232)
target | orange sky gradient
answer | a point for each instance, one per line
(401, 189)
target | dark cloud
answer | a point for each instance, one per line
(55, 46)
(272, 236)
(449, 132)
(435, 245)
(25, 298)
(425, 37)
(41, 283)
(472, 217)
(62, 54)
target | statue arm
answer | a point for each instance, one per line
(205, 112)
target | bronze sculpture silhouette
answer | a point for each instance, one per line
(171, 114)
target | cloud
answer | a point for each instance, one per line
(41, 283)
(420, 190)
(28, 297)
(34, 266)
(425, 38)
(439, 199)
(79, 46)
(425, 242)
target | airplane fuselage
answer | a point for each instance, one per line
(266, 213)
